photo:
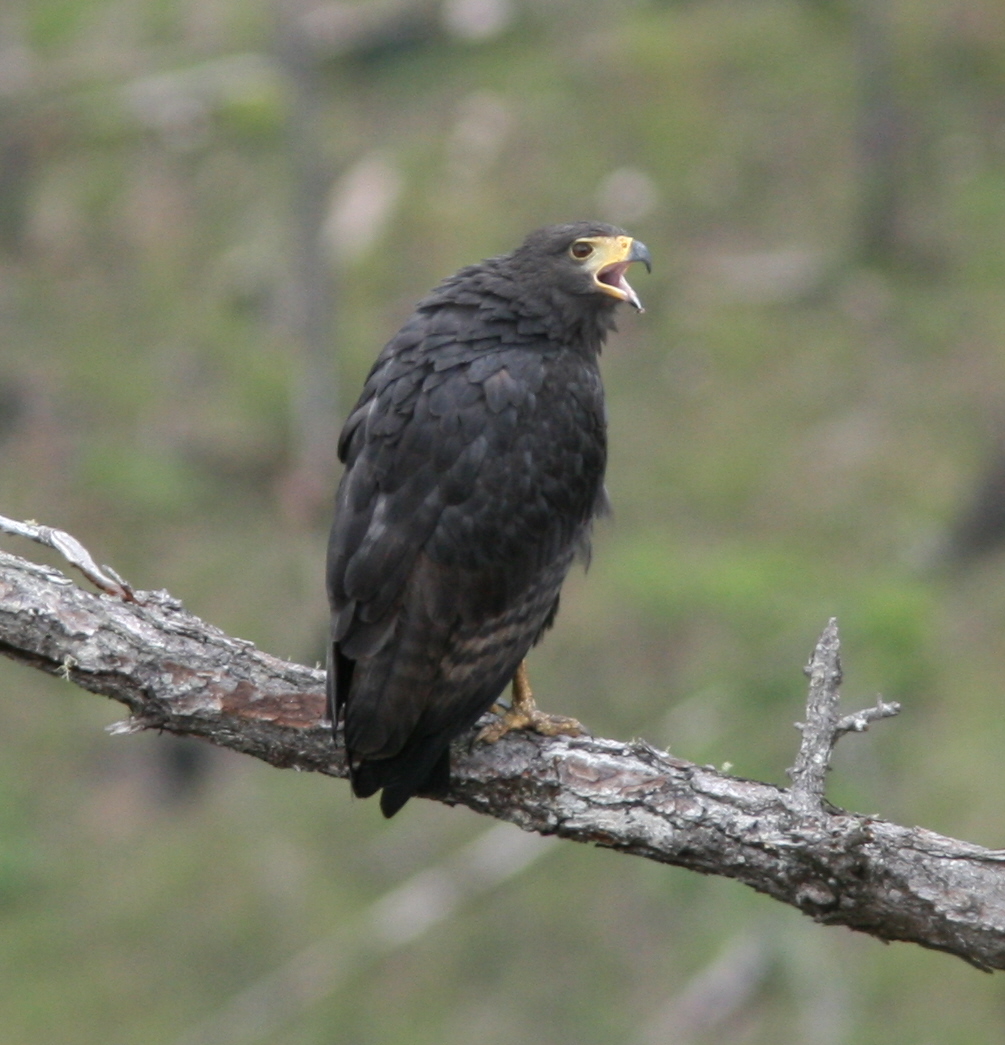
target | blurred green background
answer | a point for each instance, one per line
(212, 215)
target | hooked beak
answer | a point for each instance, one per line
(613, 256)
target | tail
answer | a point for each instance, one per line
(423, 764)
(420, 767)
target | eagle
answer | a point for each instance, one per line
(474, 466)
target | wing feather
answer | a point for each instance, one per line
(472, 465)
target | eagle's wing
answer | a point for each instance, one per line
(470, 479)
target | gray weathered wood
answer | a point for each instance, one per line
(175, 672)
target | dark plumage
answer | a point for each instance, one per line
(474, 464)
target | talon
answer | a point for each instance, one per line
(524, 714)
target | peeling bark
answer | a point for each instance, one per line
(174, 672)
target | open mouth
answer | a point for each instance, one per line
(613, 276)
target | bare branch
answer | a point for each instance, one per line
(177, 673)
(859, 721)
(822, 727)
(103, 577)
(819, 731)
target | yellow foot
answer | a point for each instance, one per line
(523, 714)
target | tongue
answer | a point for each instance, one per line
(614, 276)
(632, 297)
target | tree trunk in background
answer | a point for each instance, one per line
(310, 311)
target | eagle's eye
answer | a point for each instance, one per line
(581, 250)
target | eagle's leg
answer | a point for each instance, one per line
(523, 714)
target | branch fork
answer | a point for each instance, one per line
(823, 727)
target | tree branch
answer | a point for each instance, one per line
(822, 727)
(103, 577)
(177, 673)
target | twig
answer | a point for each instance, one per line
(823, 727)
(103, 577)
(859, 721)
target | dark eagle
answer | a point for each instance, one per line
(474, 465)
